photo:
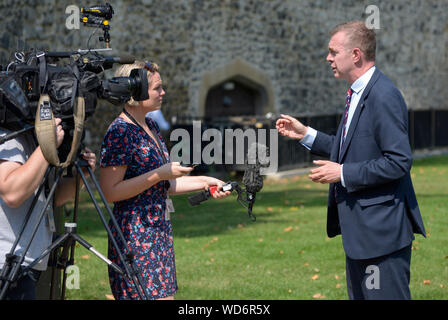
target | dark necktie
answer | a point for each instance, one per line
(344, 129)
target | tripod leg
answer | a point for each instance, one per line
(130, 274)
(71, 260)
(13, 271)
(7, 268)
(59, 241)
(89, 247)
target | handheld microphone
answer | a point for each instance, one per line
(252, 179)
(200, 197)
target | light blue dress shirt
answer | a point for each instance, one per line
(358, 88)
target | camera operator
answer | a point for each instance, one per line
(22, 169)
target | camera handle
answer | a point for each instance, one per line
(12, 135)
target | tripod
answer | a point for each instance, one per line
(68, 240)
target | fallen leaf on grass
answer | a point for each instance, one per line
(85, 257)
(318, 296)
(315, 277)
(426, 282)
(109, 297)
(288, 229)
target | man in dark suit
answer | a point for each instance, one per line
(371, 202)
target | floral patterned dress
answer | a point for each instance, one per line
(141, 218)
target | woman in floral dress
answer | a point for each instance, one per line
(138, 177)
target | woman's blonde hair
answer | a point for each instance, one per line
(125, 71)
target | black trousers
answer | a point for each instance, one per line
(382, 278)
(25, 287)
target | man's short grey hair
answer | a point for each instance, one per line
(359, 36)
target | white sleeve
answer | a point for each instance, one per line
(308, 140)
(12, 150)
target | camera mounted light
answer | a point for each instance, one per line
(98, 16)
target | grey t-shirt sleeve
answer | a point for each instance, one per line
(12, 150)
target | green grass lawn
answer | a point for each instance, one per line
(285, 254)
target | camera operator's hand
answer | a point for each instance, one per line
(59, 132)
(172, 170)
(66, 190)
(90, 157)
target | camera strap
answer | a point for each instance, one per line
(43, 75)
(46, 130)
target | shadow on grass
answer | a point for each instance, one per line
(214, 217)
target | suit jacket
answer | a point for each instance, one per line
(377, 212)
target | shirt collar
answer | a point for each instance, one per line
(363, 80)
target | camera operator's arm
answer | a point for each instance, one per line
(18, 181)
(190, 184)
(116, 189)
(67, 188)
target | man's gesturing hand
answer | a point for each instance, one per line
(327, 172)
(291, 127)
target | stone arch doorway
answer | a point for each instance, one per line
(237, 89)
(235, 97)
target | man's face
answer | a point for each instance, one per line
(339, 57)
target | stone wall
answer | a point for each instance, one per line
(285, 40)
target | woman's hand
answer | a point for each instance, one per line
(210, 182)
(172, 170)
